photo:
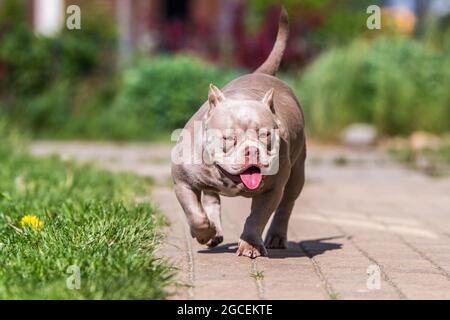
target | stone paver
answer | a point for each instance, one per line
(367, 215)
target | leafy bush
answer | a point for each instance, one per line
(160, 94)
(46, 81)
(398, 84)
(34, 62)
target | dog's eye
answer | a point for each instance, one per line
(264, 135)
(230, 139)
(265, 138)
(228, 143)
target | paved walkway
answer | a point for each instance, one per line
(363, 228)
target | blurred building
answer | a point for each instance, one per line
(405, 15)
(215, 29)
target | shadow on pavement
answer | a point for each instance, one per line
(305, 248)
(223, 248)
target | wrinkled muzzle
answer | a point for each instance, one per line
(247, 154)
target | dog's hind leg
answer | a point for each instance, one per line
(211, 204)
(276, 237)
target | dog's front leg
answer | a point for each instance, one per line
(250, 243)
(211, 205)
(190, 201)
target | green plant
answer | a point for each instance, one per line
(333, 296)
(340, 160)
(435, 30)
(398, 84)
(257, 275)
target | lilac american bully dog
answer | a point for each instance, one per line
(246, 140)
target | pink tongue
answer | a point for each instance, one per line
(251, 178)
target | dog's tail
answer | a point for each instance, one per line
(270, 66)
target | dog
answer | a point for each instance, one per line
(267, 165)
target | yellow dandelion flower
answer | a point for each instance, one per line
(34, 222)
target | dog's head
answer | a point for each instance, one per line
(242, 137)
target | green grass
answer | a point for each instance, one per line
(340, 161)
(90, 220)
(257, 275)
(334, 296)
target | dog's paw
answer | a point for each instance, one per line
(247, 250)
(203, 235)
(217, 239)
(275, 241)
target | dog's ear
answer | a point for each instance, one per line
(215, 96)
(268, 99)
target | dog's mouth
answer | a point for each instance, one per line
(251, 177)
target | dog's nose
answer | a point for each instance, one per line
(251, 154)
